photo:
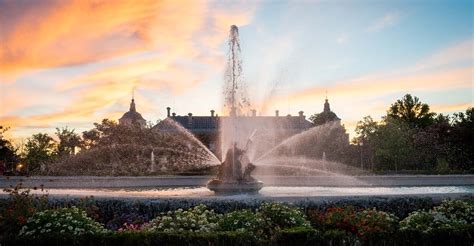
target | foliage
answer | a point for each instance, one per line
(375, 225)
(68, 141)
(450, 223)
(449, 215)
(323, 118)
(8, 156)
(19, 207)
(197, 219)
(412, 111)
(341, 218)
(410, 137)
(113, 149)
(61, 221)
(126, 221)
(40, 150)
(241, 220)
(368, 225)
(281, 216)
(145, 238)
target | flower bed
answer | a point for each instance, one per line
(27, 220)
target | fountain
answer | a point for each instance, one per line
(230, 178)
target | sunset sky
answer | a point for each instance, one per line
(73, 63)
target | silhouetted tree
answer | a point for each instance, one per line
(8, 156)
(323, 118)
(410, 110)
(40, 149)
(461, 140)
(68, 141)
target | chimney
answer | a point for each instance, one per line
(301, 115)
(277, 113)
(212, 113)
(168, 109)
(190, 119)
(174, 114)
(254, 112)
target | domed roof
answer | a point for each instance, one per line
(132, 114)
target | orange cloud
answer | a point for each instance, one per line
(448, 108)
(175, 46)
(376, 86)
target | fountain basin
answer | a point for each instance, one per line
(225, 188)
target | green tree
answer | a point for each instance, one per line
(323, 118)
(394, 149)
(68, 141)
(461, 140)
(366, 130)
(411, 110)
(40, 149)
(8, 156)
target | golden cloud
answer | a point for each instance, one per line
(158, 45)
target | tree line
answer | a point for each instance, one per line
(409, 137)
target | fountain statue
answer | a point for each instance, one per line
(230, 178)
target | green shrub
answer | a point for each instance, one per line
(282, 216)
(197, 219)
(142, 238)
(448, 216)
(448, 224)
(63, 221)
(298, 236)
(457, 210)
(243, 220)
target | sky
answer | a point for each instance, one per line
(75, 62)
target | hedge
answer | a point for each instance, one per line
(291, 237)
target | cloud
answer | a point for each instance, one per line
(45, 34)
(367, 91)
(458, 53)
(48, 34)
(151, 45)
(448, 108)
(389, 19)
(373, 86)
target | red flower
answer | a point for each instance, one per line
(21, 220)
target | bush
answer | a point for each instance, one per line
(243, 220)
(20, 206)
(457, 210)
(375, 226)
(449, 215)
(448, 224)
(341, 218)
(197, 219)
(281, 216)
(142, 238)
(63, 221)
